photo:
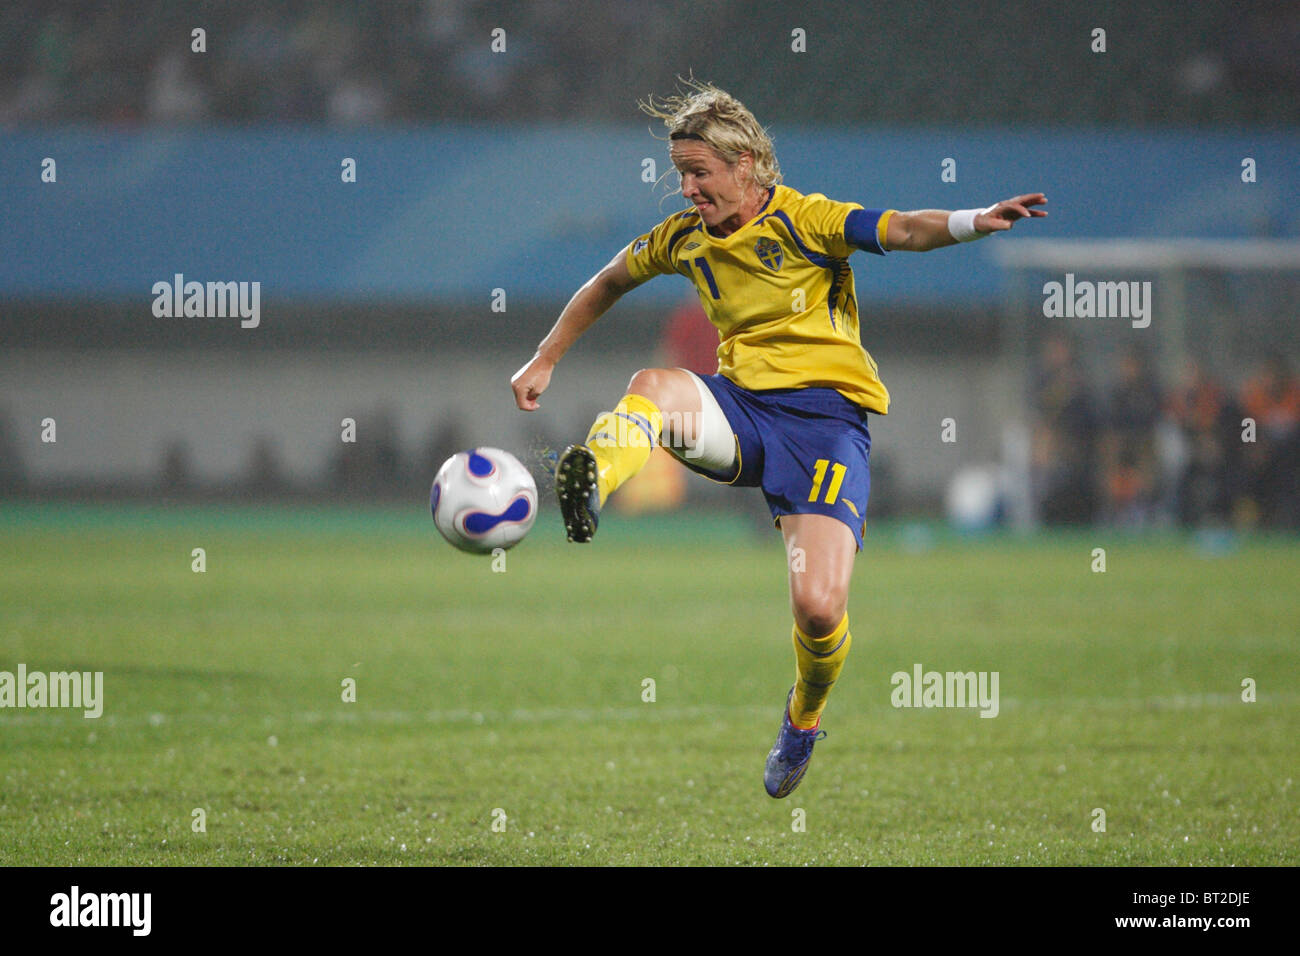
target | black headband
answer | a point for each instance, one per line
(686, 136)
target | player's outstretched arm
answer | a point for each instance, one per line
(928, 229)
(587, 305)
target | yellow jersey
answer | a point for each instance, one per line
(779, 290)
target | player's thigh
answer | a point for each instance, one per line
(696, 428)
(820, 550)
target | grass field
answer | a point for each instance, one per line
(522, 691)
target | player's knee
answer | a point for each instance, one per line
(818, 609)
(656, 384)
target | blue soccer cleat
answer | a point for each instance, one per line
(790, 755)
(579, 494)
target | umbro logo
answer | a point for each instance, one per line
(689, 246)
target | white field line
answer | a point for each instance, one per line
(345, 714)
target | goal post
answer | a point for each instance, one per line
(1210, 297)
(1229, 303)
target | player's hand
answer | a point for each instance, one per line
(530, 381)
(1003, 215)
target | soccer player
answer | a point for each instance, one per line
(787, 409)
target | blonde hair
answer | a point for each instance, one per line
(720, 121)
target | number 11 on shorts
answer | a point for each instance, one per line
(837, 479)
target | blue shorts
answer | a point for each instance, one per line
(807, 448)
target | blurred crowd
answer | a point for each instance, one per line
(1136, 452)
(309, 61)
(403, 61)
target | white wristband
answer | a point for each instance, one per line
(961, 223)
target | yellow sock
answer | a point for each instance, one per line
(622, 440)
(818, 661)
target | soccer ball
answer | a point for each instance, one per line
(483, 499)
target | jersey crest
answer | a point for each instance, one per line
(769, 253)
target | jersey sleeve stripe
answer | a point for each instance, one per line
(865, 229)
(882, 227)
